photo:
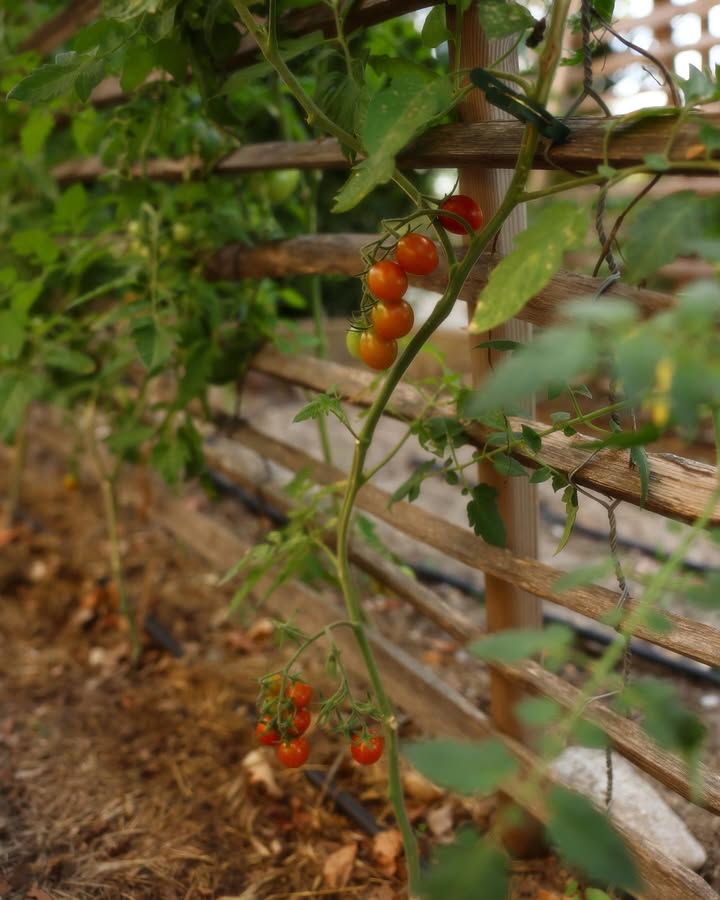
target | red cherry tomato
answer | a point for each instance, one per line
(265, 734)
(377, 353)
(293, 753)
(299, 692)
(367, 751)
(465, 207)
(387, 281)
(352, 341)
(392, 321)
(417, 254)
(300, 722)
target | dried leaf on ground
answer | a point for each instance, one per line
(260, 772)
(338, 867)
(418, 787)
(440, 820)
(387, 847)
(36, 893)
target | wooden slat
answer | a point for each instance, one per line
(62, 26)
(626, 736)
(339, 254)
(689, 638)
(493, 144)
(679, 488)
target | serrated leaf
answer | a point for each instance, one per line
(516, 644)
(460, 867)
(35, 242)
(152, 343)
(468, 768)
(661, 231)
(534, 260)
(557, 355)
(508, 466)
(435, 30)
(586, 839)
(323, 405)
(49, 81)
(499, 19)
(484, 515)
(89, 77)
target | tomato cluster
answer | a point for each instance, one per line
(373, 339)
(283, 723)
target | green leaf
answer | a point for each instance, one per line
(515, 644)
(70, 207)
(435, 30)
(89, 77)
(468, 768)
(395, 116)
(35, 242)
(606, 171)
(16, 392)
(59, 357)
(172, 55)
(125, 441)
(49, 81)
(639, 457)
(462, 866)
(542, 474)
(538, 711)
(12, 334)
(36, 130)
(323, 405)
(484, 515)
(589, 574)
(153, 344)
(656, 162)
(198, 368)
(710, 136)
(698, 86)
(558, 354)
(570, 498)
(586, 839)
(168, 458)
(537, 255)
(137, 65)
(532, 439)
(410, 488)
(499, 19)
(605, 9)
(508, 466)
(661, 231)
(498, 345)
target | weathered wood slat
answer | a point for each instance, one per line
(62, 26)
(626, 736)
(679, 488)
(689, 638)
(493, 144)
(339, 254)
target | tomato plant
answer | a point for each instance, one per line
(387, 281)
(377, 353)
(394, 321)
(293, 753)
(265, 733)
(417, 254)
(367, 749)
(467, 209)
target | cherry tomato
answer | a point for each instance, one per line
(377, 353)
(367, 751)
(392, 321)
(463, 206)
(417, 254)
(293, 753)
(271, 685)
(265, 734)
(300, 722)
(300, 693)
(352, 341)
(70, 481)
(387, 281)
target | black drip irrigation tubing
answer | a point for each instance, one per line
(640, 649)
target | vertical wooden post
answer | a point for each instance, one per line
(507, 607)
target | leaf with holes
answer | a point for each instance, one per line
(525, 271)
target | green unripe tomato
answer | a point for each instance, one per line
(282, 184)
(180, 232)
(352, 341)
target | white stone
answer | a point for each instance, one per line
(635, 802)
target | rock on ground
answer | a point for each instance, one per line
(635, 803)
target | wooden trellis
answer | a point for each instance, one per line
(679, 487)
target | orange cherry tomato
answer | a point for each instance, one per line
(377, 353)
(417, 254)
(392, 321)
(387, 281)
